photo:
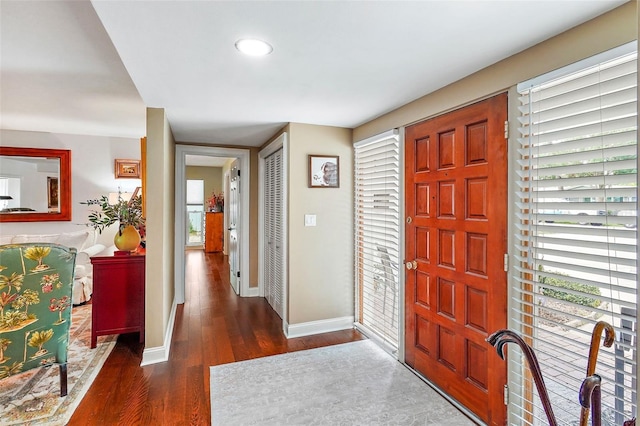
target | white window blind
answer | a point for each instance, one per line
(576, 238)
(195, 212)
(377, 227)
(195, 191)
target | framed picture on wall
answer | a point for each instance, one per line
(324, 171)
(127, 169)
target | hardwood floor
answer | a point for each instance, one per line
(213, 327)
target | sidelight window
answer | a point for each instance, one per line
(575, 240)
(377, 231)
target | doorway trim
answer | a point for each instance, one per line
(243, 156)
(280, 142)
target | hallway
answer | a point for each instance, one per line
(213, 327)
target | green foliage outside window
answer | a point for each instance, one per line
(571, 297)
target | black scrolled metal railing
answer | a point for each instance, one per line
(589, 394)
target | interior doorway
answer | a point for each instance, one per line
(243, 156)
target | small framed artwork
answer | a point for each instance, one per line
(324, 171)
(53, 202)
(127, 169)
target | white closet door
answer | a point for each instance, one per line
(278, 287)
(268, 227)
(273, 254)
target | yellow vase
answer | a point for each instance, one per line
(128, 239)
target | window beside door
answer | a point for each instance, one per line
(377, 227)
(576, 235)
(195, 212)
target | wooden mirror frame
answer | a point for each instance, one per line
(64, 185)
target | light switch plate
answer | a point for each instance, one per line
(309, 220)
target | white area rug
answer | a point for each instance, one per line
(350, 384)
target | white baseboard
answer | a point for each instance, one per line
(161, 353)
(317, 327)
(253, 292)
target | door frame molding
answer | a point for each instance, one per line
(281, 141)
(243, 156)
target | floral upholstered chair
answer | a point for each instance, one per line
(36, 280)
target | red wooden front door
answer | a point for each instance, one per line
(456, 240)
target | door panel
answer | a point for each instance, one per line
(234, 221)
(456, 197)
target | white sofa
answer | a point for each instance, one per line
(85, 244)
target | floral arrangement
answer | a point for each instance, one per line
(125, 212)
(216, 202)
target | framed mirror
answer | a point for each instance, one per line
(35, 184)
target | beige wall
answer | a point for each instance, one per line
(160, 187)
(605, 32)
(212, 177)
(320, 258)
(253, 219)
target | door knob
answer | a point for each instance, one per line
(412, 265)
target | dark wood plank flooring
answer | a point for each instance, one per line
(214, 326)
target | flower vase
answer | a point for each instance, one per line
(127, 239)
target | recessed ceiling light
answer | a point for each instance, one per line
(253, 47)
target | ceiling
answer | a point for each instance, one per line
(92, 67)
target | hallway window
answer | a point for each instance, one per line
(195, 212)
(576, 236)
(377, 227)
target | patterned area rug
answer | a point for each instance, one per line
(33, 397)
(350, 384)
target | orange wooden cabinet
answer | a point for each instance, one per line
(213, 232)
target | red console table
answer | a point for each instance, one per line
(118, 296)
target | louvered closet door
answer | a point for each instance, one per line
(273, 253)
